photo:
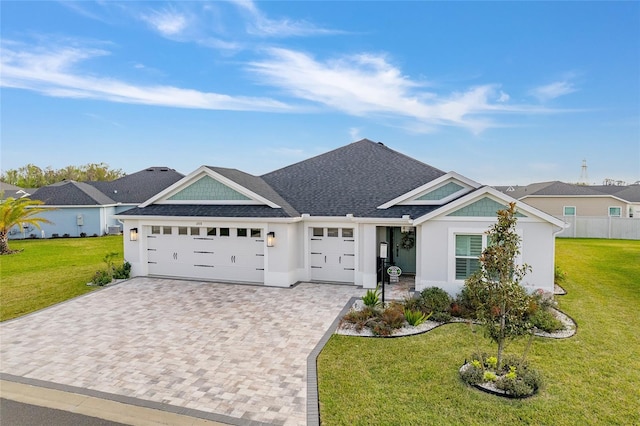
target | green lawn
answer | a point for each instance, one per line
(592, 378)
(50, 271)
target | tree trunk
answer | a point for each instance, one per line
(4, 243)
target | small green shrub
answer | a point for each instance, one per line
(559, 275)
(514, 386)
(122, 272)
(472, 374)
(489, 376)
(545, 320)
(102, 277)
(441, 317)
(492, 362)
(435, 299)
(415, 318)
(372, 298)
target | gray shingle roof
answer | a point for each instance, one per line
(71, 193)
(205, 210)
(138, 187)
(629, 193)
(258, 185)
(353, 179)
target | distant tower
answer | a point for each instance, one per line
(584, 176)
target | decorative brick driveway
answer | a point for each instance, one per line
(234, 350)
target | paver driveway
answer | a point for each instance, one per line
(233, 350)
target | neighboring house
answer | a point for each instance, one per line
(324, 219)
(567, 200)
(596, 211)
(89, 208)
(11, 191)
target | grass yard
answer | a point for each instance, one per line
(592, 378)
(50, 271)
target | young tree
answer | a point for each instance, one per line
(501, 301)
(18, 211)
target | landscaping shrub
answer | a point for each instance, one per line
(372, 298)
(441, 317)
(545, 320)
(393, 315)
(102, 277)
(359, 318)
(435, 299)
(472, 373)
(122, 272)
(415, 318)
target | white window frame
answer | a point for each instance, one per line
(564, 211)
(615, 215)
(451, 277)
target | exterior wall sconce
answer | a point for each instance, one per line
(271, 239)
(133, 234)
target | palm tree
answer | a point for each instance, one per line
(18, 211)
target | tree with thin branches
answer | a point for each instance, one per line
(18, 212)
(501, 302)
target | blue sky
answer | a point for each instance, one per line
(501, 92)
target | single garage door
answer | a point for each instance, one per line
(210, 253)
(331, 254)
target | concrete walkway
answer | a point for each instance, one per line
(236, 352)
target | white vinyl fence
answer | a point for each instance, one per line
(602, 227)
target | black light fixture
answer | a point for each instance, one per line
(133, 234)
(271, 239)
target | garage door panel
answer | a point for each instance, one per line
(331, 254)
(201, 256)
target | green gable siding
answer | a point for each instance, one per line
(442, 192)
(208, 188)
(485, 207)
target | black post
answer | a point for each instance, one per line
(383, 279)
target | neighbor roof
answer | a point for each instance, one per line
(7, 190)
(629, 193)
(71, 193)
(140, 186)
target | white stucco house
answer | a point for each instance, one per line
(323, 220)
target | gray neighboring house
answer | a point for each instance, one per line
(591, 211)
(566, 200)
(11, 191)
(326, 219)
(90, 208)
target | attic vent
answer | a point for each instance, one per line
(150, 169)
(380, 143)
(164, 169)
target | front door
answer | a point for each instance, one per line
(403, 245)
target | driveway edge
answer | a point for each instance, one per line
(313, 402)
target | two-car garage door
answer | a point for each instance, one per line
(211, 253)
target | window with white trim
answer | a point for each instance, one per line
(569, 211)
(468, 248)
(615, 211)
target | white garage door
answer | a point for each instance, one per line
(331, 254)
(211, 253)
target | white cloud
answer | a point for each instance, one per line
(553, 90)
(354, 134)
(261, 25)
(366, 84)
(167, 22)
(53, 71)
